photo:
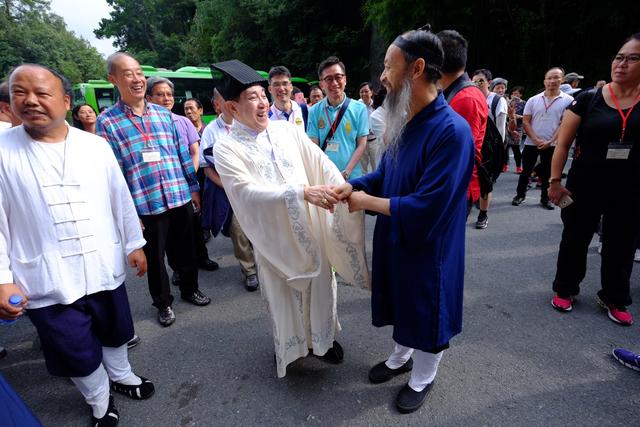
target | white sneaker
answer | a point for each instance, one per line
(636, 258)
(599, 247)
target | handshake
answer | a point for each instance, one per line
(327, 196)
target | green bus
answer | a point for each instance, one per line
(189, 82)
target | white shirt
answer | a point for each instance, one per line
(546, 114)
(376, 121)
(66, 217)
(500, 118)
(212, 134)
(295, 116)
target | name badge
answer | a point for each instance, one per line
(546, 118)
(150, 155)
(332, 146)
(618, 151)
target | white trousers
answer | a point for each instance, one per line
(425, 365)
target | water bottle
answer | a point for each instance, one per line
(14, 300)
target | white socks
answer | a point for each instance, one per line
(425, 365)
(95, 386)
(95, 389)
(116, 361)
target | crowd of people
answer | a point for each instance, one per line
(289, 182)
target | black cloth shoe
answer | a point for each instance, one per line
(334, 355)
(382, 373)
(197, 298)
(409, 400)
(166, 316)
(134, 342)
(110, 419)
(138, 392)
(208, 264)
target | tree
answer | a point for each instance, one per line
(155, 31)
(29, 33)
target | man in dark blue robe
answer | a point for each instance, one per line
(419, 194)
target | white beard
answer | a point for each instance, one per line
(396, 104)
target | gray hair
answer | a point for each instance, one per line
(111, 59)
(155, 80)
(498, 81)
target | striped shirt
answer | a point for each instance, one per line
(155, 186)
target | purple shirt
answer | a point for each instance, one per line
(186, 130)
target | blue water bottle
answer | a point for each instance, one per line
(14, 300)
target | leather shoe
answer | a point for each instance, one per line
(251, 283)
(409, 400)
(334, 355)
(547, 205)
(197, 298)
(166, 316)
(382, 373)
(208, 264)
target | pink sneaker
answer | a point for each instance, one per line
(561, 304)
(619, 315)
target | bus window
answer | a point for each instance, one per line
(202, 89)
(105, 98)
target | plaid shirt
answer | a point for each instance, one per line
(155, 186)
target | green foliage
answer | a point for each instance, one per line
(153, 30)
(29, 33)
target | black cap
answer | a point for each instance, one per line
(237, 76)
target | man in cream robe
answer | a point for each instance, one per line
(278, 183)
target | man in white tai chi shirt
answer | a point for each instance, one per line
(67, 221)
(279, 184)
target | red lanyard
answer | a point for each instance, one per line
(146, 136)
(333, 123)
(544, 100)
(624, 117)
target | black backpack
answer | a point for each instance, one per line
(492, 145)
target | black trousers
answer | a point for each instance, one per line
(530, 155)
(517, 154)
(170, 233)
(620, 229)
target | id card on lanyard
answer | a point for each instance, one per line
(150, 154)
(620, 150)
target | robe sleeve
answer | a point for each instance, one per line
(372, 182)
(274, 217)
(343, 232)
(122, 207)
(416, 216)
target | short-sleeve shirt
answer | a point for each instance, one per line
(215, 131)
(546, 114)
(354, 124)
(295, 116)
(601, 124)
(186, 130)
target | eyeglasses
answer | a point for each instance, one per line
(330, 79)
(631, 59)
(280, 84)
(479, 81)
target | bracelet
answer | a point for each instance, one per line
(552, 180)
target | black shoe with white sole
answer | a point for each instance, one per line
(110, 419)
(138, 392)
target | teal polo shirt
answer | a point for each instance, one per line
(354, 124)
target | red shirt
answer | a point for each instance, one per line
(471, 104)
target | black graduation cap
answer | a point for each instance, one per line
(237, 76)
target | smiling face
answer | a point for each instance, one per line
(252, 108)
(280, 88)
(333, 81)
(128, 77)
(395, 70)
(39, 100)
(162, 94)
(365, 94)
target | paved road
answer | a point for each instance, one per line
(517, 362)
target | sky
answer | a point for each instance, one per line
(82, 17)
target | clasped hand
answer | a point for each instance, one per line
(327, 196)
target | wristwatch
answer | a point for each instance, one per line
(552, 180)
